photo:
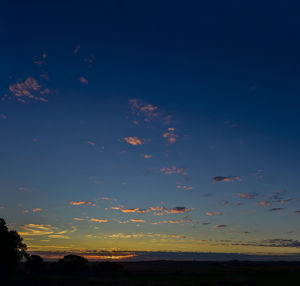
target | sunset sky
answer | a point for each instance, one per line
(151, 125)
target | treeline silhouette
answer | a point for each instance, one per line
(13, 251)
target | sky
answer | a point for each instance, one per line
(151, 126)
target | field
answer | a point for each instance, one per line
(174, 273)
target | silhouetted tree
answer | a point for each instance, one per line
(35, 264)
(12, 249)
(108, 267)
(71, 263)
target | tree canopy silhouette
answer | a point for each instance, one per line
(71, 264)
(12, 249)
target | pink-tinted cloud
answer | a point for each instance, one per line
(134, 140)
(172, 170)
(247, 195)
(146, 156)
(265, 203)
(83, 80)
(3, 116)
(288, 200)
(226, 179)
(76, 50)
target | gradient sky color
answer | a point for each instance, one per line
(151, 125)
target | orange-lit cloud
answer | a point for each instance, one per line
(78, 219)
(133, 140)
(138, 220)
(146, 156)
(147, 110)
(264, 203)
(98, 220)
(81, 203)
(184, 187)
(30, 89)
(36, 210)
(170, 136)
(226, 179)
(289, 200)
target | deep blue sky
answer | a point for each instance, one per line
(209, 89)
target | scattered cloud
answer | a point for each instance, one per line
(78, 219)
(81, 203)
(264, 203)
(183, 187)
(98, 220)
(138, 220)
(146, 156)
(288, 200)
(3, 116)
(226, 179)
(276, 209)
(83, 80)
(259, 174)
(221, 226)
(170, 136)
(172, 170)
(247, 195)
(134, 140)
(213, 213)
(76, 50)
(30, 89)
(36, 210)
(148, 111)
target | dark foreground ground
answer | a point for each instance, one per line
(173, 273)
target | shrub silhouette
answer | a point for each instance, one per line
(12, 249)
(71, 264)
(108, 268)
(35, 264)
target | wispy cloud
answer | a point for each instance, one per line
(183, 187)
(276, 209)
(3, 116)
(172, 170)
(247, 195)
(81, 203)
(83, 80)
(30, 89)
(134, 140)
(137, 220)
(147, 110)
(147, 156)
(288, 200)
(76, 50)
(98, 220)
(264, 203)
(221, 226)
(36, 210)
(219, 179)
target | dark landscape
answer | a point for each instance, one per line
(165, 273)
